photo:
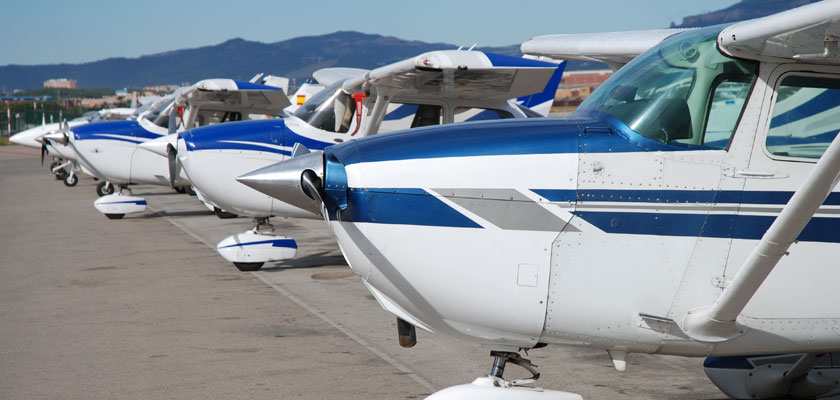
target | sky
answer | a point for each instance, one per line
(59, 31)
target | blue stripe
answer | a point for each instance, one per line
(675, 196)
(242, 85)
(402, 112)
(501, 60)
(401, 206)
(290, 243)
(702, 225)
(549, 92)
(97, 136)
(138, 202)
(732, 362)
(584, 133)
(272, 132)
(824, 101)
(127, 129)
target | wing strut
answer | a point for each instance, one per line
(718, 322)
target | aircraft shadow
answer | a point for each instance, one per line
(163, 214)
(311, 261)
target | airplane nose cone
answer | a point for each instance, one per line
(57, 137)
(23, 141)
(284, 182)
(159, 145)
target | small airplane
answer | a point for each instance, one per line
(64, 167)
(687, 207)
(433, 88)
(110, 149)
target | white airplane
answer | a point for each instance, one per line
(110, 149)
(65, 166)
(429, 89)
(627, 227)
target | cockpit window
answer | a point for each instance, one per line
(682, 91)
(319, 110)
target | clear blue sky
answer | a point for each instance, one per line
(74, 31)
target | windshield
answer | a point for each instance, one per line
(682, 91)
(318, 110)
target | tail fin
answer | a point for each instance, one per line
(541, 102)
(304, 92)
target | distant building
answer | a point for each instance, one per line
(61, 83)
(160, 88)
(577, 85)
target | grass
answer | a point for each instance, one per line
(4, 141)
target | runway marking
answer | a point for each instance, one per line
(385, 357)
(314, 311)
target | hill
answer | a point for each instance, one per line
(236, 58)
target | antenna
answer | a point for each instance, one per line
(472, 47)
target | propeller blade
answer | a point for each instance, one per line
(172, 155)
(43, 152)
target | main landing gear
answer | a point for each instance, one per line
(494, 386)
(249, 250)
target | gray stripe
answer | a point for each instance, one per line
(492, 194)
(507, 209)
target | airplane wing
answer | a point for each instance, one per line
(806, 33)
(328, 76)
(613, 48)
(457, 74)
(233, 95)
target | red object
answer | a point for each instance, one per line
(181, 114)
(360, 98)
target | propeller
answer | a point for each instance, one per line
(172, 155)
(43, 150)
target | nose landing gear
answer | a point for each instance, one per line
(494, 386)
(249, 250)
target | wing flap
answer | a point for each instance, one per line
(458, 74)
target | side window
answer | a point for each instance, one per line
(401, 116)
(463, 114)
(728, 100)
(805, 117)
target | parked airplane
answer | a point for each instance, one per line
(629, 227)
(429, 89)
(65, 167)
(109, 149)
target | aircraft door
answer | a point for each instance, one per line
(801, 120)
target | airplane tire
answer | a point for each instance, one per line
(71, 180)
(223, 214)
(248, 267)
(101, 191)
(180, 189)
(60, 175)
(114, 216)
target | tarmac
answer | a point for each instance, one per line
(144, 308)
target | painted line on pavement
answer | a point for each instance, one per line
(314, 311)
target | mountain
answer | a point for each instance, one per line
(744, 10)
(236, 58)
(296, 58)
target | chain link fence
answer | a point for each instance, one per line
(23, 120)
